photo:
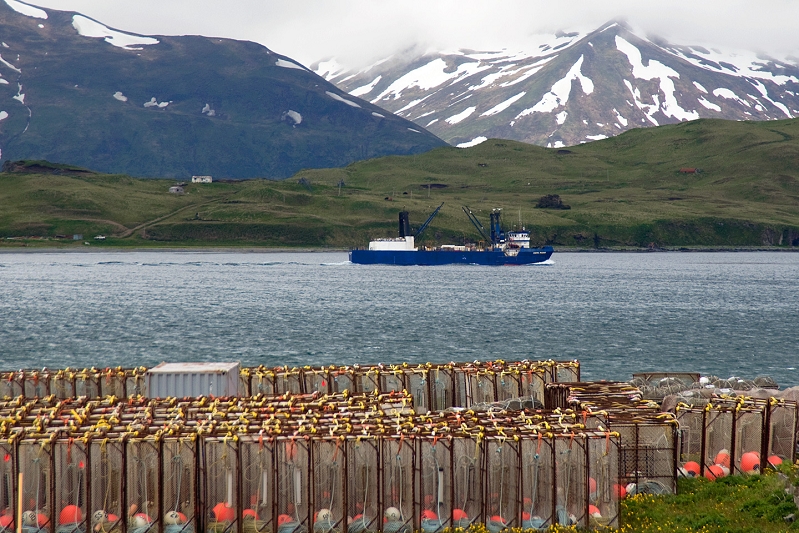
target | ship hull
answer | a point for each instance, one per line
(526, 256)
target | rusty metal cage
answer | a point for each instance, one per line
(398, 465)
(603, 491)
(316, 380)
(71, 485)
(143, 485)
(179, 501)
(222, 484)
(417, 385)
(571, 483)
(503, 498)
(363, 484)
(289, 381)
(538, 482)
(468, 485)
(12, 384)
(87, 383)
(648, 453)
(106, 498)
(328, 484)
(257, 471)
(8, 479)
(292, 489)
(435, 483)
(442, 389)
(35, 462)
(782, 424)
(393, 380)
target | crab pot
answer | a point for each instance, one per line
(245, 382)
(748, 435)
(603, 492)
(531, 383)
(392, 381)
(8, 480)
(571, 480)
(468, 478)
(363, 483)
(435, 482)
(12, 384)
(316, 380)
(112, 383)
(290, 381)
(292, 488)
(107, 470)
(258, 483)
(143, 484)
(179, 460)
(62, 384)
(782, 430)
(556, 396)
(508, 385)
(72, 478)
(416, 380)
(263, 383)
(328, 484)
(503, 496)
(397, 479)
(538, 478)
(87, 383)
(37, 385)
(691, 433)
(340, 380)
(567, 371)
(221, 486)
(35, 462)
(442, 388)
(135, 384)
(367, 381)
(647, 454)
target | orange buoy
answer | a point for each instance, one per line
(774, 460)
(223, 513)
(714, 472)
(750, 462)
(71, 514)
(525, 515)
(591, 485)
(6, 520)
(459, 514)
(429, 515)
(111, 518)
(692, 467)
(497, 518)
(283, 519)
(249, 513)
(722, 458)
(593, 510)
(42, 519)
(620, 491)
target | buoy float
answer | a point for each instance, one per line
(692, 467)
(620, 491)
(172, 518)
(249, 514)
(427, 514)
(750, 462)
(224, 513)
(99, 517)
(722, 458)
(714, 472)
(6, 521)
(459, 514)
(774, 460)
(323, 515)
(283, 519)
(71, 514)
(593, 510)
(141, 520)
(392, 513)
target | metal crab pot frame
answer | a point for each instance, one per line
(782, 430)
(293, 481)
(648, 453)
(436, 483)
(363, 482)
(502, 493)
(107, 496)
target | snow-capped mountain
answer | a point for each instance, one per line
(75, 91)
(572, 87)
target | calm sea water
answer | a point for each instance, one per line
(618, 313)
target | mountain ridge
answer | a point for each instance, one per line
(573, 88)
(76, 91)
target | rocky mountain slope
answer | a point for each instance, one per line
(572, 88)
(75, 91)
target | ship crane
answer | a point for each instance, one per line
(473, 219)
(427, 222)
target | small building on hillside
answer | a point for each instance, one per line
(690, 171)
(177, 189)
(201, 179)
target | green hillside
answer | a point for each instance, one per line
(625, 191)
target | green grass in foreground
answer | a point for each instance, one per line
(735, 504)
(624, 192)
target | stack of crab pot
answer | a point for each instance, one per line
(293, 463)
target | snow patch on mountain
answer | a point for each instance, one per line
(155, 103)
(3, 115)
(3, 82)
(366, 89)
(709, 105)
(560, 118)
(294, 116)
(736, 63)
(502, 106)
(454, 119)
(764, 93)
(27, 10)
(9, 65)
(334, 96)
(700, 87)
(119, 96)
(428, 76)
(596, 137)
(20, 96)
(621, 120)
(473, 142)
(656, 69)
(91, 28)
(729, 95)
(378, 115)
(288, 64)
(329, 69)
(206, 110)
(558, 95)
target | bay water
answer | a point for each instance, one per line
(720, 313)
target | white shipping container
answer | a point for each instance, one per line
(181, 380)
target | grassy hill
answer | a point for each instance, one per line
(625, 191)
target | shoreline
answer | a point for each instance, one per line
(267, 250)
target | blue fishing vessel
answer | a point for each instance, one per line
(512, 248)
